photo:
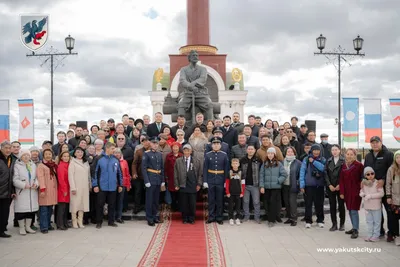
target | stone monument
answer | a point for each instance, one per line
(225, 88)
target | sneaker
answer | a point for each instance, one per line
(397, 241)
(258, 221)
(321, 225)
(389, 238)
(246, 219)
(367, 239)
(231, 222)
(308, 225)
(374, 239)
(237, 222)
(271, 224)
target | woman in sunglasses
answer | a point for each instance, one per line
(349, 186)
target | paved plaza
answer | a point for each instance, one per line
(249, 244)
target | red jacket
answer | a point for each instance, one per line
(170, 140)
(169, 170)
(350, 184)
(126, 176)
(63, 183)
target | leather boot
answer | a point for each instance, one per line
(80, 219)
(354, 235)
(74, 220)
(28, 228)
(333, 228)
(21, 224)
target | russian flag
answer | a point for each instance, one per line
(395, 111)
(4, 120)
(372, 118)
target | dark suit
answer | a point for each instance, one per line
(252, 140)
(175, 128)
(255, 130)
(128, 130)
(152, 129)
(230, 136)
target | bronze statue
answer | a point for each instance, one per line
(193, 79)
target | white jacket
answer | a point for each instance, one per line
(27, 199)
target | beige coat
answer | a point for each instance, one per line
(79, 181)
(393, 186)
(49, 183)
(198, 145)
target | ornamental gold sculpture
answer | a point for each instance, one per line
(236, 75)
(158, 74)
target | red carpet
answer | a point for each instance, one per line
(178, 244)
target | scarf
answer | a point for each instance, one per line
(53, 168)
(286, 164)
(367, 182)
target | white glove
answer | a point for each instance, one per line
(224, 185)
(205, 185)
(162, 184)
(147, 185)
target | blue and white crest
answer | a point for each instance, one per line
(34, 31)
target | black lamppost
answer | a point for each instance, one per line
(339, 54)
(69, 43)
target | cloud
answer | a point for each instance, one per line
(121, 44)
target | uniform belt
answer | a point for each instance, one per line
(216, 172)
(154, 171)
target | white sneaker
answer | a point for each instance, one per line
(237, 221)
(231, 222)
(320, 225)
(397, 241)
(308, 225)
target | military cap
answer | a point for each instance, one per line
(154, 139)
(217, 130)
(216, 140)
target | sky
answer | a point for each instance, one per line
(121, 43)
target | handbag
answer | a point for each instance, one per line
(395, 209)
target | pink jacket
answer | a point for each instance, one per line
(372, 196)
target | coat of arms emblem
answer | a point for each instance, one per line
(34, 31)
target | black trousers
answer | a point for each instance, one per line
(187, 205)
(175, 196)
(234, 205)
(395, 224)
(314, 195)
(62, 215)
(389, 213)
(138, 192)
(272, 202)
(290, 201)
(4, 213)
(334, 200)
(92, 209)
(23, 215)
(111, 197)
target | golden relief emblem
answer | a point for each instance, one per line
(236, 75)
(158, 74)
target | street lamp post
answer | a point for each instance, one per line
(357, 44)
(69, 43)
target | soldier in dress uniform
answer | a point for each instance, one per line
(217, 132)
(216, 170)
(153, 176)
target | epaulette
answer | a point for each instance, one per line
(209, 152)
(147, 151)
(223, 152)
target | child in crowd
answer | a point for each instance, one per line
(234, 191)
(372, 196)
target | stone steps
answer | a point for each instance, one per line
(300, 210)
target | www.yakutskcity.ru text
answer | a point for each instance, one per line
(349, 250)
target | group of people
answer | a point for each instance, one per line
(228, 160)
